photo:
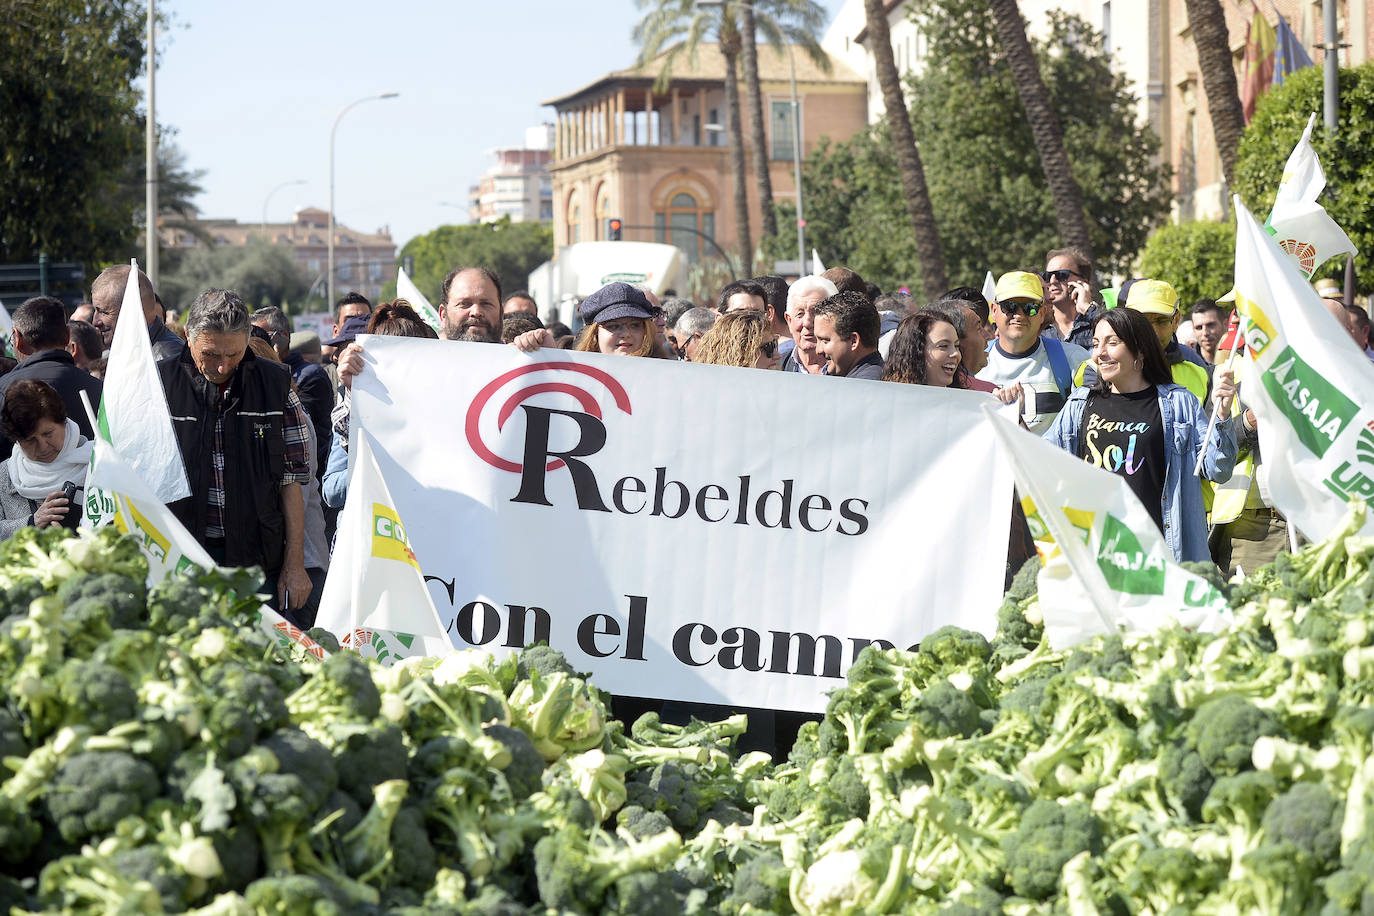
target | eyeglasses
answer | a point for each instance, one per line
(769, 349)
(1060, 276)
(681, 351)
(1011, 308)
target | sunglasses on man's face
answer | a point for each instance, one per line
(1060, 276)
(769, 349)
(1011, 308)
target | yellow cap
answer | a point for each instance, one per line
(1020, 284)
(1152, 297)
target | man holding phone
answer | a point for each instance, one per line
(1073, 311)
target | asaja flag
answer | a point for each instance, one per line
(407, 290)
(167, 545)
(1314, 400)
(1106, 568)
(133, 408)
(1300, 225)
(375, 599)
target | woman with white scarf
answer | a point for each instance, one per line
(49, 453)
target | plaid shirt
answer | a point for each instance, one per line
(295, 435)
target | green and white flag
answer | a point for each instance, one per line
(407, 290)
(1300, 225)
(1314, 396)
(7, 347)
(133, 413)
(375, 599)
(1106, 568)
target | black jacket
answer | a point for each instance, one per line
(57, 368)
(254, 410)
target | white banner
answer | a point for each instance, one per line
(692, 532)
(1313, 388)
(1107, 567)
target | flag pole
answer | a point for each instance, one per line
(1212, 423)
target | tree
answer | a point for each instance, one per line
(260, 272)
(909, 166)
(510, 249)
(783, 23)
(69, 124)
(1197, 259)
(1044, 123)
(991, 201)
(1207, 21)
(1347, 158)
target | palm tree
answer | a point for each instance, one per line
(1044, 124)
(782, 22)
(1207, 21)
(928, 250)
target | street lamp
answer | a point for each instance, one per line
(796, 136)
(268, 198)
(332, 131)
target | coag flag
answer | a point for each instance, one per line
(1289, 54)
(1257, 68)
(375, 599)
(1314, 400)
(407, 290)
(133, 407)
(1107, 568)
(1299, 224)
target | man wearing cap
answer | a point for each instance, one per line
(1022, 363)
(1072, 313)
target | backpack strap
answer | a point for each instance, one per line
(1059, 364)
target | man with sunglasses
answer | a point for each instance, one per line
(1022, 364)
(1072, 311)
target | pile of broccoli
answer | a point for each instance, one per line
(161, 753)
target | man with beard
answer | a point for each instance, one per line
(470, 305)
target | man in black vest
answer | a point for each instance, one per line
(243, 437)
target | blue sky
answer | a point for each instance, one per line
(252, 89)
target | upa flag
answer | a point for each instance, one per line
(407, 290)
(1300, 225)
(375, 600)
(133, 408)
(1315, 399)
(1106, 568)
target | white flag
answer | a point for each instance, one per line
(1301, 226)
(1313, 388)
(817, 268)
(7, 347)
(375, 599)
(133, 408)
(1107, 567)
(407, 290)
(989, 288)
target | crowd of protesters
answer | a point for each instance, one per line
(261, 414)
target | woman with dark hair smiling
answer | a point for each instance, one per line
(49, 453)
(924, 351)
(1136, 423)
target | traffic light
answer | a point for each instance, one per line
(613, 230)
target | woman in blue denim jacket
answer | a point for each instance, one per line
(1139, 425)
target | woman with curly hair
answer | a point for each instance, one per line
(742, 339)
(924, 351)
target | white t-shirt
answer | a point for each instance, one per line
(1032, 369)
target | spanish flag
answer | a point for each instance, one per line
(1257, 68)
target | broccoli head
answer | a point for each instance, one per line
(90, 598)
(96, 694)
(524, 774)
(945, 711)
(543, 658)
(1309, 817)
(1050, 834)
(92, 790)
(1224, 731)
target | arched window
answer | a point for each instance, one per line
(574, 218)
(603, 211)
(681, 219)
